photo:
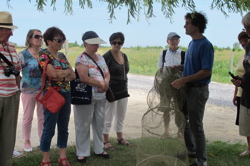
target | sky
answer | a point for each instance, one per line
(221, 31)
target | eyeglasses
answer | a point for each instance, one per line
(243, 41)
(37, 36)
(8, 30)
(59, 40)
(114, 43)
(173, 39)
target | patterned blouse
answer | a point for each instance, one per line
(94, 72)
(61, 64)
(31, 81)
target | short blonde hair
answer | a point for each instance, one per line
(246, 19)
(29, 35)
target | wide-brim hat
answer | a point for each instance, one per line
(91, 37)
(6, 20)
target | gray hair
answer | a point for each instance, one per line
(246, 19)
(29, 35)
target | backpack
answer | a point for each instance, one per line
(164, 54)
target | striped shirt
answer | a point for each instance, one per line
(8, 85)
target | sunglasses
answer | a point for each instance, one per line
(119, 43)
(37, 36)
(59, 40)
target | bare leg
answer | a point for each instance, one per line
(62, 157)
(121, 140)
(46, 157)
(166, 120)
(107, 144)
(248, 143)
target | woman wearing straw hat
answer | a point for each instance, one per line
(9, 89)
(92, 114)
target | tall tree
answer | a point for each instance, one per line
(135, 7)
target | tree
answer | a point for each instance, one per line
(236, 45)
(134, 7)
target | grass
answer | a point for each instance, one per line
(219, 154)
(144, 60)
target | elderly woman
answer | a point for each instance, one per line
(243, 40)
(244, 117)
(31, 84)
(60, 71)
(118, 67)
(92, 114)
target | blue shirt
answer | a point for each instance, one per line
(31, 81)
(200, 55)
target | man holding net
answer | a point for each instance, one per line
(197, 75)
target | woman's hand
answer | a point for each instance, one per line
(235, 100)
(237, 82)
(104, 87)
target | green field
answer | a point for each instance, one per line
(143, 60)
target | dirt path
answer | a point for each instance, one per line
(218, 121)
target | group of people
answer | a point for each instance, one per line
(241, 95)
(100, 113)
(197, 71)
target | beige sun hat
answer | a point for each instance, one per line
(6, 20)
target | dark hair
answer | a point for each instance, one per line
(198, 20)
(117, 35)
(243, 35)
(51, 32)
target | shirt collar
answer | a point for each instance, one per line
(173, 51)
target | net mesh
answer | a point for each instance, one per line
(162, 142)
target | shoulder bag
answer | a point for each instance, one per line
(81, 94)
(109, 94)
(51, 100)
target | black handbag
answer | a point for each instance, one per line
(119, 90)
(81, 94)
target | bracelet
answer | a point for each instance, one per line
(63, 79)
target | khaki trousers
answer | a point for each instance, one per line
(8, 123)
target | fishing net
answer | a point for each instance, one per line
(162, 142)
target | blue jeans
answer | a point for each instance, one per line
(61, 118)
(196, 101)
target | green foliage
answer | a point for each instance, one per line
(75, 44)
(219, 154)
(134, 7)
(236, 45)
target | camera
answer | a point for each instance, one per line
(11, 70)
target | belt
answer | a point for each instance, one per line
(195, 84)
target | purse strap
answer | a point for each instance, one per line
(43, 78)
(95, 63)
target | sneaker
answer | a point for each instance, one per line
(16, 153)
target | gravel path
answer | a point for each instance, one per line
(220, 94)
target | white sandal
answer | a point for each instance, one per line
(246, 152)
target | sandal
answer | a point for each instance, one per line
(106, 156)
(120, 142)
(111, 148)
(45, 163)
(246, 152)
(65, 163)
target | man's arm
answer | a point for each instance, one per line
(192, 78)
